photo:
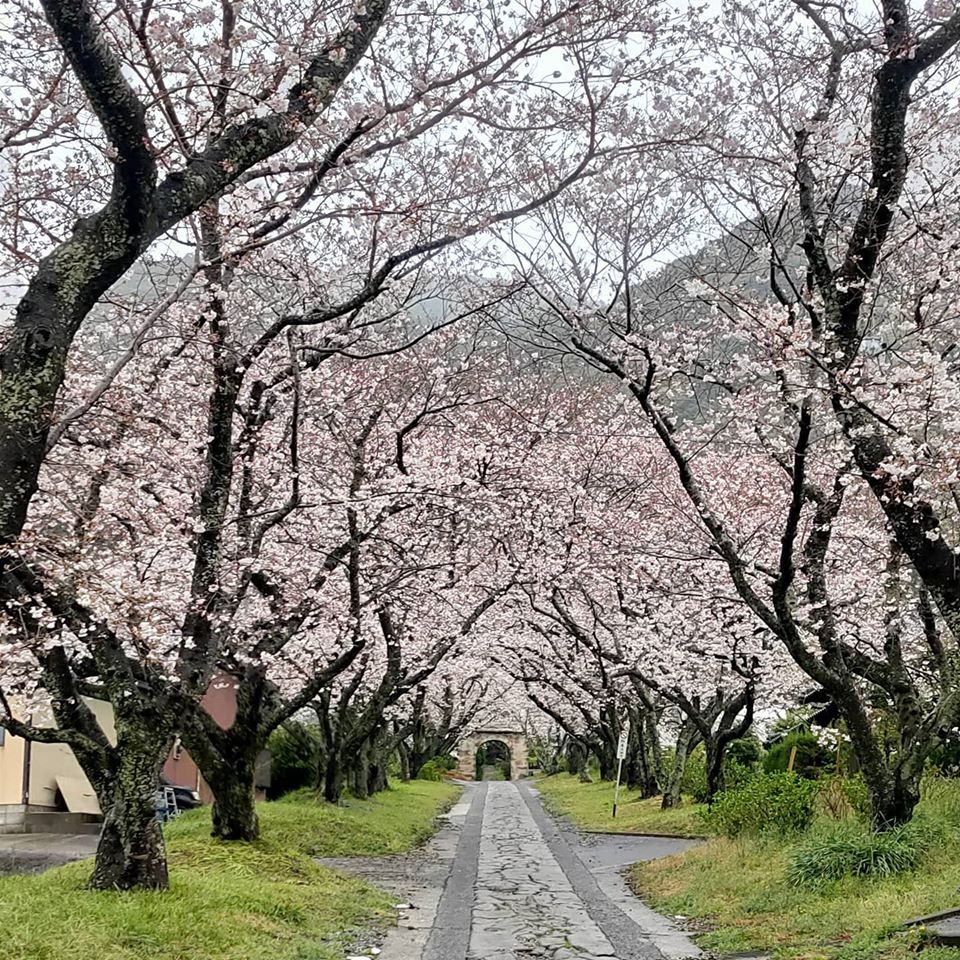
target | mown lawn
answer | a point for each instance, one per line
(262, 901)
(590, 806)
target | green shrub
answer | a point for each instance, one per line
(811, 760)
(772, 803)
(737, 775)
(940, 800)
(850, 849)
(745, 752)
(737, 769)
(694, 781)
(294, 757)
(433, 769)
(842, 797)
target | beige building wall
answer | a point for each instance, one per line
(51, 760)
(47, 762)
(11, 770)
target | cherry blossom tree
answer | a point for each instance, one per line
(735, 347)
(437, 717)
(447, 119)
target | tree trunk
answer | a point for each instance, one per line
(227, 760)
(671, 792)
(652, 738)
(131, 852)
(649, 781)
(894, 793)
(234, 802)
(359, 772)
(608, 762)
(377, 777)
(332, 779)
(406, 765)
(893, 806)
(576, 759)
(715, 779)
(359, 775)
(633, 772)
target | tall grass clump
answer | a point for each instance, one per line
(940, 800)
(851, 849)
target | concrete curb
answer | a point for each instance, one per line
(645, 833)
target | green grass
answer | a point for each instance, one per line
(262, 901)
(590, 806)
(738, 888)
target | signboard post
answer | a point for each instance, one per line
(621, 755)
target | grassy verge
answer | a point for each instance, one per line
(738, 889)
(590, 806)
(228, 901)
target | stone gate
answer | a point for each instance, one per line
(513, 740)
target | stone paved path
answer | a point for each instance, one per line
(504, 881)
(524, 904)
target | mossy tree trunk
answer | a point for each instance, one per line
(234, 814)
(687, 740)
(332, 780)
(131, 853)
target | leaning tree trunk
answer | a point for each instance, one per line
(227, 760)
(131, 853)
(894, 793)
(686, 740)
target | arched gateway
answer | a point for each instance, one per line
(513, 740)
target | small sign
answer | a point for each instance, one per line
(621, 756)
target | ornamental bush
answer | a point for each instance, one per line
(768, 804)
(294, 755)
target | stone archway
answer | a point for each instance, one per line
(513, 740)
